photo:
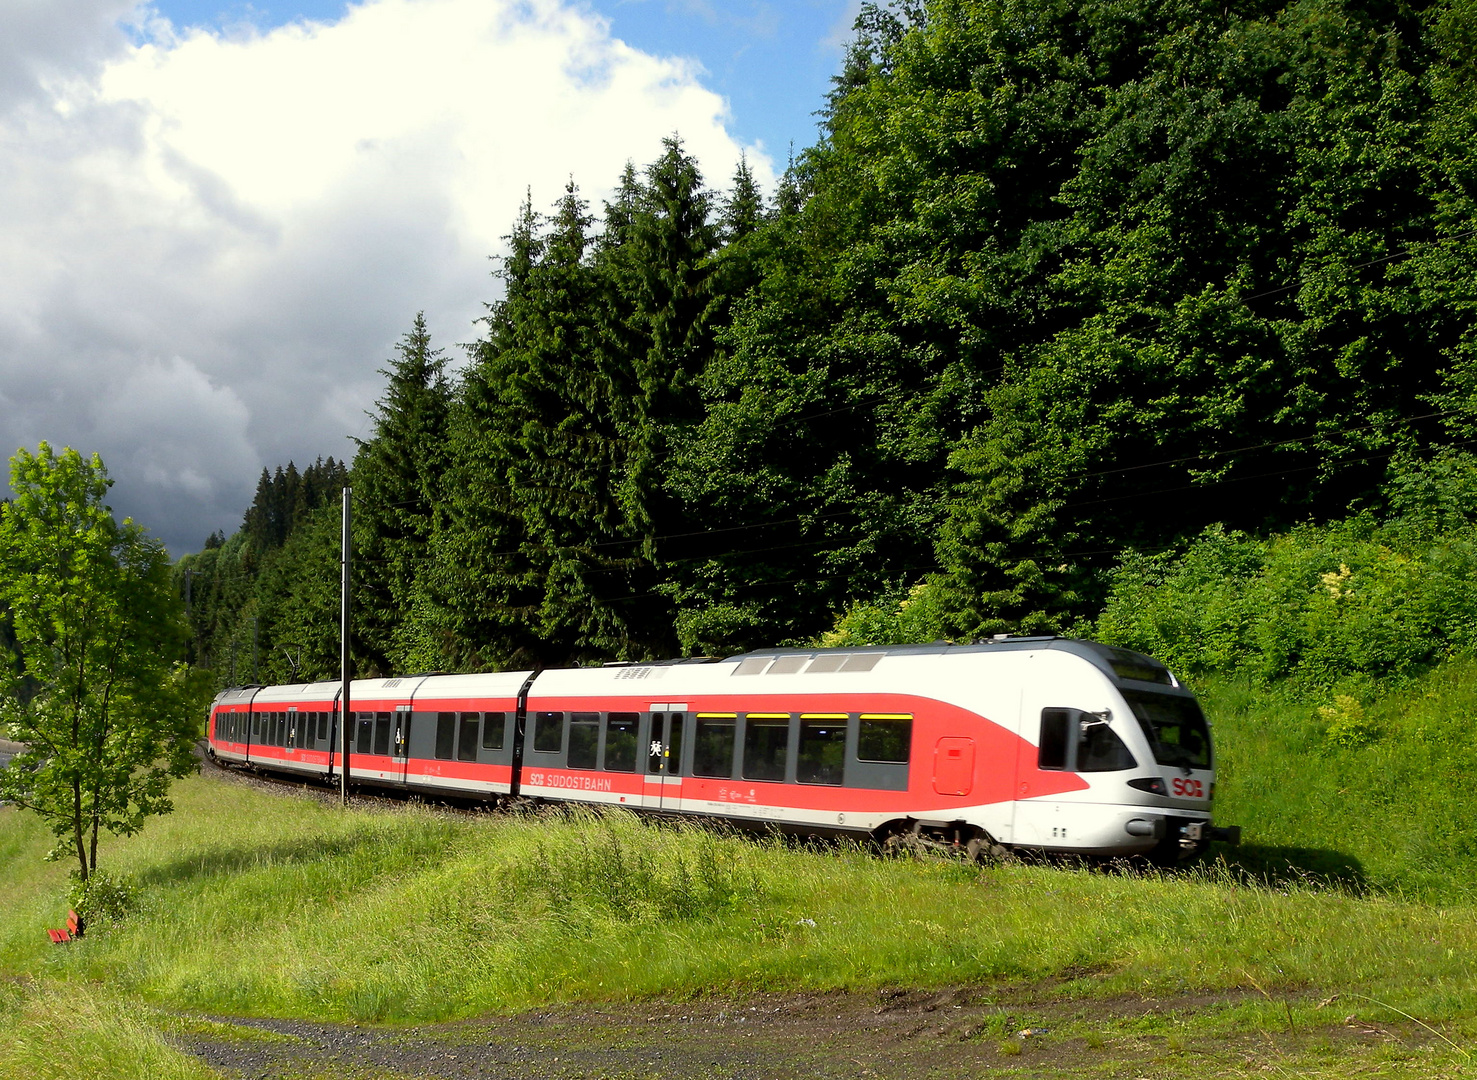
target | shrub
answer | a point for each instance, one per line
(1345, 724)
(889, 620)
(1338, 607)
(102, 899)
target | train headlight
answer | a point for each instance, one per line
(1154, 785)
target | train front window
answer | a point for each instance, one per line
(1175, 728)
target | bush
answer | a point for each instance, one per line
(102, 899)
(1345, 723)
(889, 620)
(1342, 607)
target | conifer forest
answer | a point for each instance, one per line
(1059, 287)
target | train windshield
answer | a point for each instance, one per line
(1175, 728)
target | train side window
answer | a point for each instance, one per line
(445, 735)
(323, 727)
(766, 746)
(466, 738)
(884, 738)
(548, 732)
(821, 758)
(584, 739)
(365, 732)
(492, 730)
(712, 746)
(620, 741)
(280, 732)
(1099, 749)
(1051, 751)
(382, 734)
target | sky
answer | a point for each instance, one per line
(217, 218)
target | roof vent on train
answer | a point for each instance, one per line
(792, 663)
(641, 671)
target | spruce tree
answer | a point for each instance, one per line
(397, 481)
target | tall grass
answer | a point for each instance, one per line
(78, 1032)
(1384, 799)
(254, 904)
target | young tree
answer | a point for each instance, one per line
(106, 717)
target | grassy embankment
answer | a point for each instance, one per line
(250, 903)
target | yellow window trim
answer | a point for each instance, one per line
(824, 716)
(887, 716)
(767, 716)
(717, 716)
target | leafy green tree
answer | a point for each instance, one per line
(111, 718)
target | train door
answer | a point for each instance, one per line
(334, 745)
(293, 733)
(953, 766)
(400, 743)
(664, 761)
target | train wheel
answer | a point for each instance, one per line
(905, 842)
(983, 849)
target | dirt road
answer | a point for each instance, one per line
(964, 1032)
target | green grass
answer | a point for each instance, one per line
(1395, 812)
(74, 1031)
(255, 904)
(259, 905)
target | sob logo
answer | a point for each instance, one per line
(1188, 788)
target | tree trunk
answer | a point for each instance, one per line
(77, 828)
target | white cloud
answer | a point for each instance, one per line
(209, 243)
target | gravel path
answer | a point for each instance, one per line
(902, 1034)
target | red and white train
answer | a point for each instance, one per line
(1034, 743)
